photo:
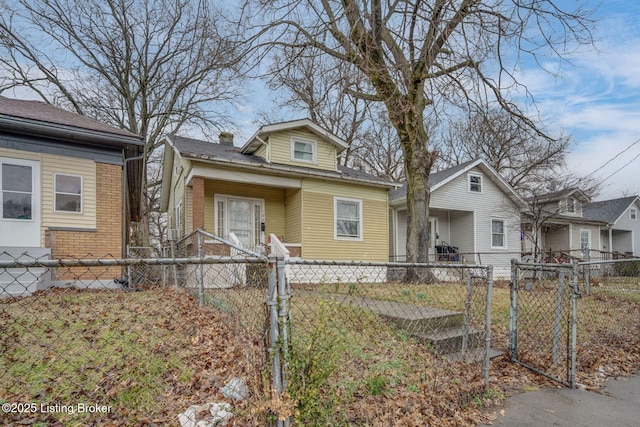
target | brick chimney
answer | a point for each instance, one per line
(226, 138)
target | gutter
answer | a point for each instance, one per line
(125, 204)
(69, 133)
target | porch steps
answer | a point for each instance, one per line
(22, 281)
(443, 330)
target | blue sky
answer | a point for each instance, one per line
(596, 99)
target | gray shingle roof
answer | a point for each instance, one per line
(41, 112)
(210, 151)
(607, 210)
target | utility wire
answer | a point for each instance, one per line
(615, 157)
(624, 166)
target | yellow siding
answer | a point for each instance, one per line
(274, 209)
(318, 240)
(50, 165)
(262, 152)
(72, 166)
(293, 216)
(280, 145)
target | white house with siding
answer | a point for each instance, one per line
(473, 209)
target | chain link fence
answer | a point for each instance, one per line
(149, 341)
(577, 323)
(368, 338)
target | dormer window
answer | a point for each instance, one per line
(303, 150)
(475, 183)
(571, 205)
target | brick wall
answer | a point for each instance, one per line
(105, 241)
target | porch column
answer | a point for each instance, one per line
(197, 194)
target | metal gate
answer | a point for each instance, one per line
(543, 319)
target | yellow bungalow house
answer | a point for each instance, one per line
(284, 181)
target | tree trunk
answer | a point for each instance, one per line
(418, 161)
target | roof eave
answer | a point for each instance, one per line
(286, 170)
(68, 133)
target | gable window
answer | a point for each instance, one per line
(303, 150)
(348, 218)
(68, 193)
(241, 216)
(571, 205)
(585, 239)
(498, 237)
(475, 183)
(633, 214)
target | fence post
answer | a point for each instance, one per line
(487, 325)
(465, 322)
(575, 294)
(513, 312)
(274, 332)
(587, 271)
(557, 322)
(201, 269)
(283, 323)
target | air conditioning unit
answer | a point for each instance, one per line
(172, 234)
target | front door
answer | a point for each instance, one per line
(19, 202)
(246, 219)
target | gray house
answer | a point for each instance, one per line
(473, 209)
(620, 232)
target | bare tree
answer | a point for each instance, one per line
(521, 156)
(319, 86)
(421, 56)
(147, 67)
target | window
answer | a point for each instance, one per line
(571, 205)
(585, 239)
(17, 191)
(68, 193)
(241, 216)
(303, 150)
(475, 183)
(498, 239)
(633, 214)
(348, 218)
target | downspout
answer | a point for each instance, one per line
(125, 204)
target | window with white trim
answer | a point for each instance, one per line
(348, 218)
(67, 193)
(498, 234)
(571, 205)
(585, 239)
(475, 183)
(633, 214)
(303, 150)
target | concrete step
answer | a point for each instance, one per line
(23, 281)
(450, 340)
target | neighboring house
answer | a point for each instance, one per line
(621, 232)
(285, 181)
(558, 223)
(61, 189)
(569, 222)
(472, 208)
